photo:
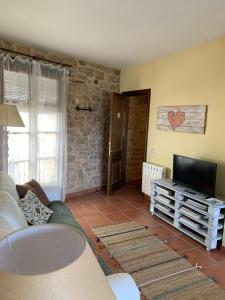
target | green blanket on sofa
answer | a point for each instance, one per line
(62, 215)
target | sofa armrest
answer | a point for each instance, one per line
(11, 216)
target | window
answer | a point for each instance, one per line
(16, 91)
(32, 149)
(37, 150)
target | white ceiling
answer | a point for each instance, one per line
(113, 32)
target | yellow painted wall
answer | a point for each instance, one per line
(194, 76)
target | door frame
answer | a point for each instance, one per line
(147, 93)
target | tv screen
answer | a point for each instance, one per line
(197, 174)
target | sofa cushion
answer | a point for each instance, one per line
(62, 215)
(34, 211)
(7, 184)
(21, 190)
(35, 187)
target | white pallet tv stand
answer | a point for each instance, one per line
(189, 211)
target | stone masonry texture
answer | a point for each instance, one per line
(87, 131)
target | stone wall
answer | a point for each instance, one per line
(87, 131)
(138, 114)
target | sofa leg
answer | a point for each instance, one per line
(123, 286)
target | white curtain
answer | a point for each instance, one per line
(37, 151)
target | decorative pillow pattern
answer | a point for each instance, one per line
(34, 211)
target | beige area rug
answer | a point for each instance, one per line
(158, 270)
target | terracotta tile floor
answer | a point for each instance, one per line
(96, 209)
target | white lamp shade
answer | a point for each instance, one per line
(56, 263)
(9, 116)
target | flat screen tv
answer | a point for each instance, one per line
(197, 174)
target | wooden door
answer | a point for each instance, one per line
(117, 142)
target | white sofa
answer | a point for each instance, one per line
(11, 216)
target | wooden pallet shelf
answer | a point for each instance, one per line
(203, 219)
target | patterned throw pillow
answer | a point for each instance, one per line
(34, 211)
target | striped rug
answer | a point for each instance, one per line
(158, 270)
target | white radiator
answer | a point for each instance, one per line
(150, 172)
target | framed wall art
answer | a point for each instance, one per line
(189, 118)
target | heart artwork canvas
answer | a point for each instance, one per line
(189, 118)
